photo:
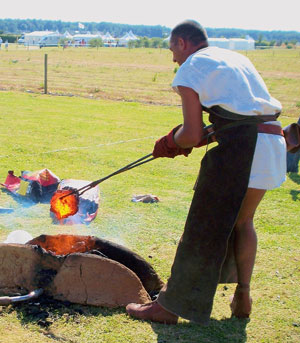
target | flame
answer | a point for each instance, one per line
(64, 205)
(64, 244)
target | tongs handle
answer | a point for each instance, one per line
(140, 161)
(9, 300)
(129, 166)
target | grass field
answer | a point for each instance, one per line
(142, 75)
(87, 138)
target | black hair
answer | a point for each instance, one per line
(190, 30)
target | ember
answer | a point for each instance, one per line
(64, 204)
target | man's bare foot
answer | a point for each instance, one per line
(241, 302)
(151, 311)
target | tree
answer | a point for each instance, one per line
(165, 44)
(138, 43)
(131, 44)
(96, 43)
(145, 42)
(156, 42)
(63, 42)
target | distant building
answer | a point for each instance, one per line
(50, 40)
(242, 44)
(219, 42)
(33, 38)
(233, 43)
(230, 43)
(83, 39)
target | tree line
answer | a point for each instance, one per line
(19, 26)
(142, 42)
(257, 35)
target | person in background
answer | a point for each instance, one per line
(293, 159)
(219, 241)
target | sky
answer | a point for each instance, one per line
(251, 14)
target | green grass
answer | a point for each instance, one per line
(87, 136)
(88, 139)
(143, 75)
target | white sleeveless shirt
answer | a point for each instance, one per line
(228, 79)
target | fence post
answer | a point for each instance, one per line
(45, 74)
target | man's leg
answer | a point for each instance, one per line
(245, 251)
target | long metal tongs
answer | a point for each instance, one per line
(4, 301)
(140, 161)
(129, 166)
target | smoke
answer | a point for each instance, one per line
(18, 236)
(34, 219)
(27, 217)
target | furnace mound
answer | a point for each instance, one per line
(80, 269)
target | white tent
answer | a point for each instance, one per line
(67, 35)
(33, 38)
(132, 35)
(233, 43)
(129, 36)
(219, 42)
(83, 39)
(108, 38)
(50, 40)
(242, 44)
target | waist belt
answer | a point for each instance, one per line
(262, 127)
(269, 128)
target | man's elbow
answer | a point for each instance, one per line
(193, 138)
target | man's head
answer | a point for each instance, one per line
(186, 38)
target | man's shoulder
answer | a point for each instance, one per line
(219, 56)
(207, 56)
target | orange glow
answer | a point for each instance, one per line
(65, 244)
(64, 206)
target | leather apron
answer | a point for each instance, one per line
(205, 254)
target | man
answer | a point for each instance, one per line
(234, 175)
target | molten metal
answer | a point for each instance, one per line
(64, 205)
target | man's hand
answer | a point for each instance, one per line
(166, 146)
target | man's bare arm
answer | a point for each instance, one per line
(190, 134)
